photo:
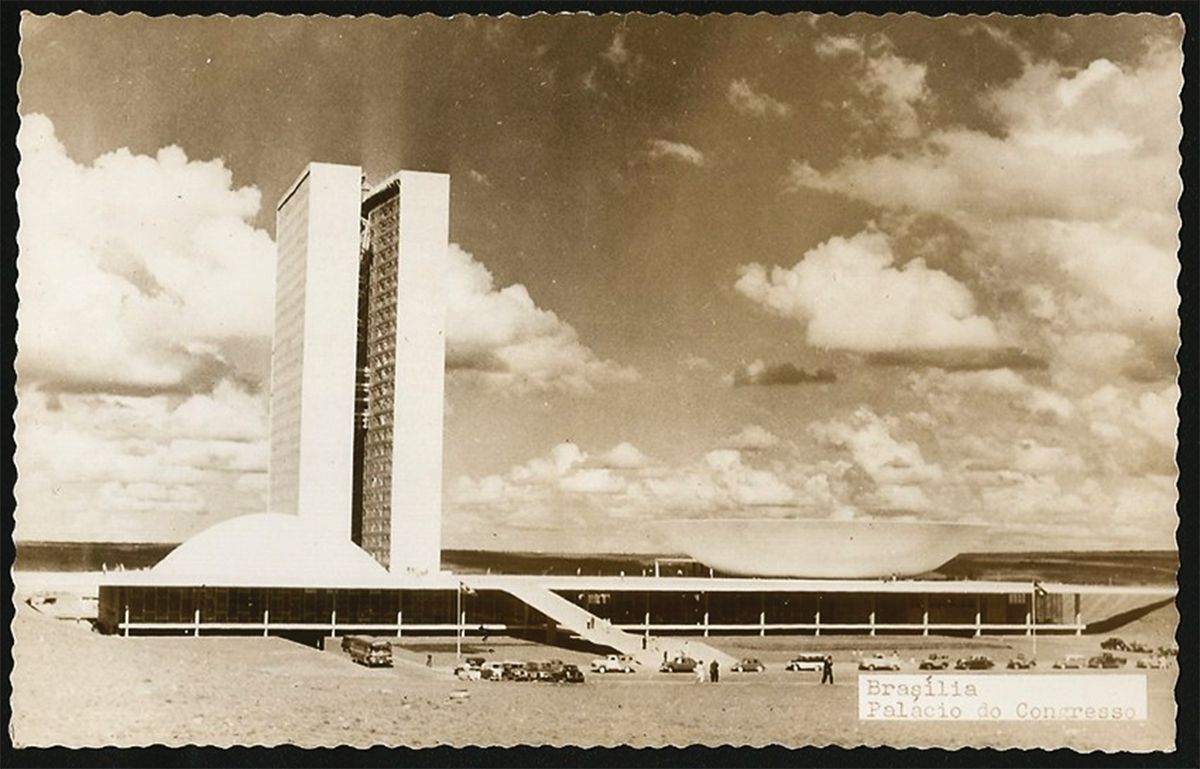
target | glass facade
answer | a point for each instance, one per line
(377, 377)
(678, 610)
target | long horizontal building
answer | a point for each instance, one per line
(305, 584)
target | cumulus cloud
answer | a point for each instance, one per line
(851, 297)
(759, 373)
(136, 272)
(894, 85)
(868, 437)
(686, 153)
(145, 317)
(748, 101)
(1070, 205)
(500, 337)
(570, 487)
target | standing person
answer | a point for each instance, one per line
(699, 671)
(827, 670)
(428, 660)
(714, 672)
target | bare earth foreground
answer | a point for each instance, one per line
(74, 687)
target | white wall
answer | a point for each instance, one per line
(416, 538)
(313, 478)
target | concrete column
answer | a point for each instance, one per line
(399, 623)
(196, 623)
(871, 621)
(1078, 616)
(266, 622)
(762, 623)
(978, 623)
(333, 623)
(925, 615)
(1028, 623)
(817, 622)
(126, 625)
(706, 624)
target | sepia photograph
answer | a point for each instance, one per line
(598, 380)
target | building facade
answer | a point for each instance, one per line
(313, 348)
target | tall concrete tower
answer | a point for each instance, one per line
(313, 349)
(401, 371)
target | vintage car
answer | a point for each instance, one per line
(1071, 662)
(571, 675)
(748, 665)
(1021, 662)
(613, 663)
(1114, 644)
(680, 664)
(934, 662)
(879, 661)
(974, 662)
(1107, 661)
(811, 662)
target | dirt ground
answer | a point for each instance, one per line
(72, 686)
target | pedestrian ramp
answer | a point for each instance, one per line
(596, 630)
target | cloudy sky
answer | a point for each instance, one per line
(722, 266)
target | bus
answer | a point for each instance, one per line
(368, 651)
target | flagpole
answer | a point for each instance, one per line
(458, 624)
(1033, 615)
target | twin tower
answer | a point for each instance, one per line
(358, 360)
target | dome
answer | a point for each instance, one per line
(822, 549)
(269, 549)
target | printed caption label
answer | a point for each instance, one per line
(1002, 697)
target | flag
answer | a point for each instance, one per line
(465, 589)
(1038, 589)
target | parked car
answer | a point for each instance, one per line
(1171, 650)
(515, 671)
(1114, 644)
(974, 662)
(811, 662)
(1071, 662)
(1021, 662)
(748, 665)
(1157, 662)
(1139, 647)
(613, 663)
(492, 671)
(879, 662)
(543, 671)
(680, 664)
(571, 675)
(1107, 661)
(935, 662)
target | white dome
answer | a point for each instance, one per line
(823, 549)
(269, 549)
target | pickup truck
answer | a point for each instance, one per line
(613, 663)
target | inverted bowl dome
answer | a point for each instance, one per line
(816, 548)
